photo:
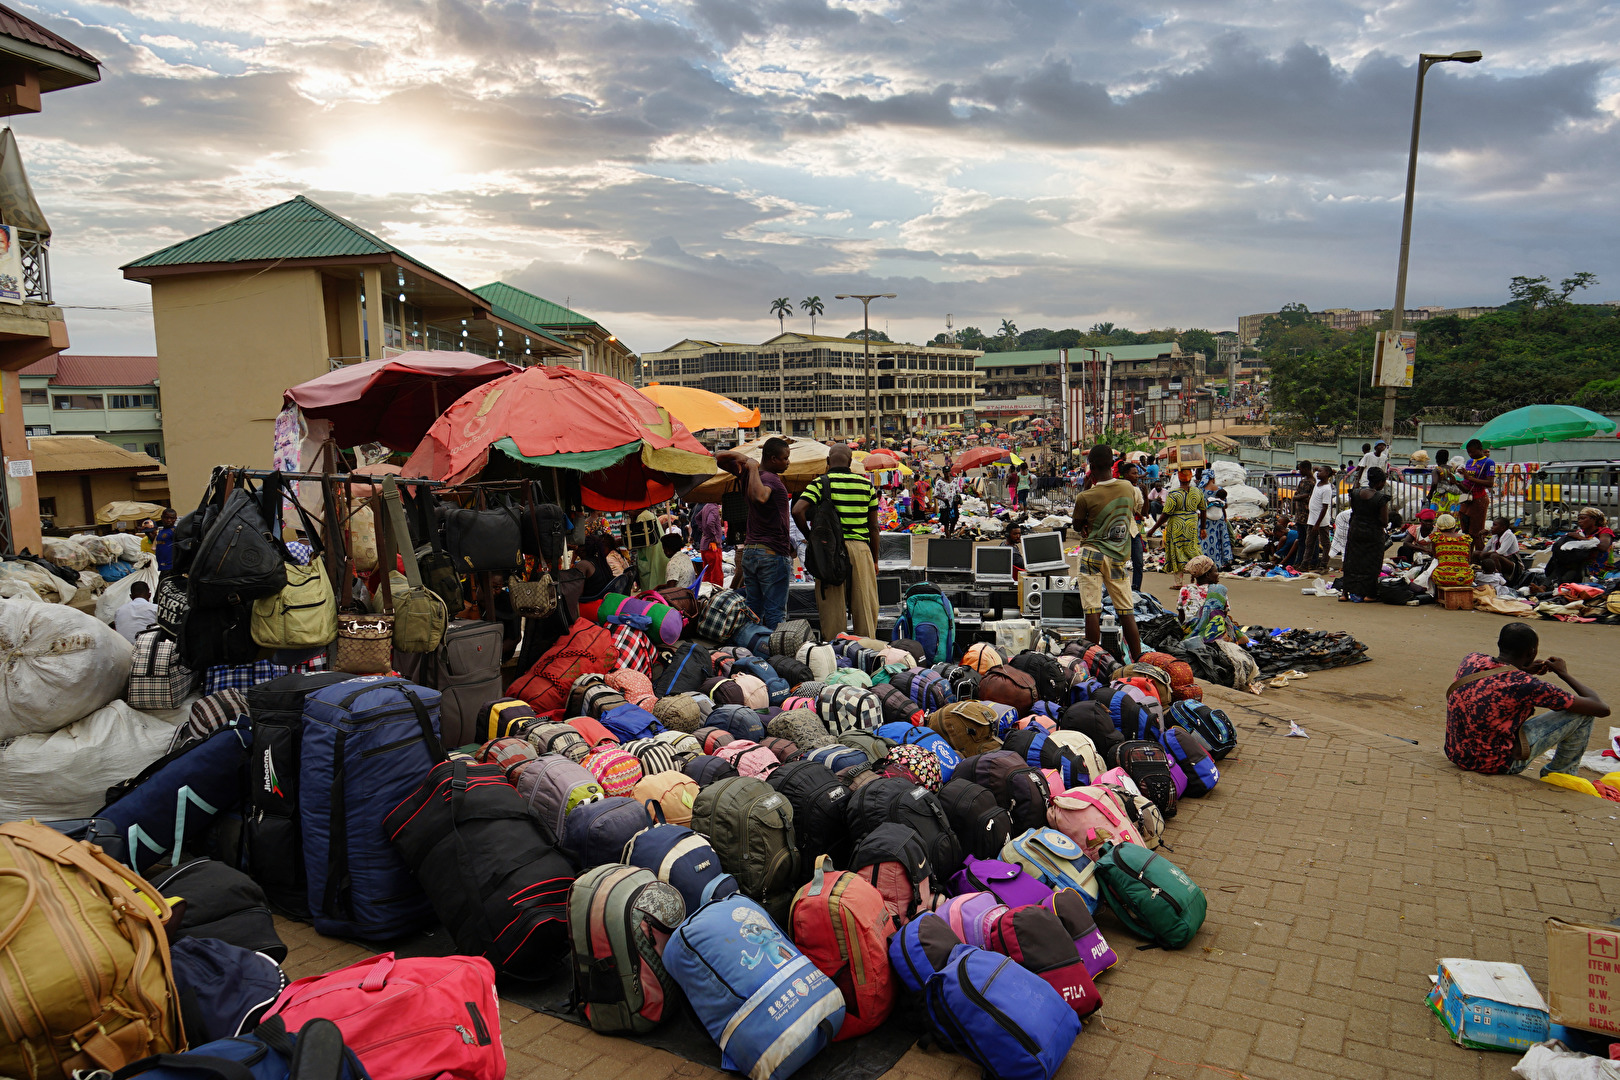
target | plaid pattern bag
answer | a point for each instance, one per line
(722, 615)
(636, 650)
(246, 676)
(157, 678)
(212, 713)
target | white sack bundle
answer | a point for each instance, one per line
(57, 664)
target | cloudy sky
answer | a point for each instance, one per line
(671, 167)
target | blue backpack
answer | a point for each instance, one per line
(926, 737)
(264, 1055)
(920, 948)
(596, 832)
(368, 742)
(1005, 1019)
(762, 670)
(1211, 725)
(682, 858)
(629, 722)
(928, 618)
(1186, 750)
(764, 1002)
(837, 757)
(741, 721)
(224, 988)
(171, 805)
(753, 637)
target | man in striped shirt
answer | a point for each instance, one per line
(857, 503)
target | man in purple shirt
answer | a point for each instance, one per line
(766, 556)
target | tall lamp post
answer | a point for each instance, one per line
(1425, 62)
(866, 345)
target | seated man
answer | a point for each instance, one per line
(1490, 726)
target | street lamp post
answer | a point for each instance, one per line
(866, 345)
(1425, 61)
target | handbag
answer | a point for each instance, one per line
(484, 539)
(534, 599)
(303, 615)
(734, 504)
(237, 559)
(365, 644)
(432, 561)
(420, 614)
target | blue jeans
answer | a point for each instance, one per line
(765, 583)
(1565, 730)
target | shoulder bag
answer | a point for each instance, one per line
(420, 614)
(303, 615)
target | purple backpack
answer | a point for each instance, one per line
(1010, 883)
(966, 915)
(1071, 909)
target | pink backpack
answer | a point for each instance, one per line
(966, 914)
(1091, 815)
(417, 1018)
(748, 757)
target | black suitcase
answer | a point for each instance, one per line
(273, 837)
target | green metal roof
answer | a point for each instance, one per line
(535, 309)
(530, 328)
(1076, 354)
(295, 229)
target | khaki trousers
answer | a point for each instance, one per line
(861, 605)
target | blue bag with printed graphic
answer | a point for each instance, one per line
(172, 804)
(767, 1006)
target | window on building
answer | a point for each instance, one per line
(47, 507)
(132, 401)
(132, 448)
(154, 450)
(76, 401)
(35, 395)
(36, 429)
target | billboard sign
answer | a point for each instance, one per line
(1394, 357)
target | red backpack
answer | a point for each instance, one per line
(586, 648)
(892, 858)
(416, 1018)
(842, 924)
(1038, 940)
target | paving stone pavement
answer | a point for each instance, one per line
(1339, 869)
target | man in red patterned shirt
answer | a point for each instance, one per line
(1491, 726)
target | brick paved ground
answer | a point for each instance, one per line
(1339, 870)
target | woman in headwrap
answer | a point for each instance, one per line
(1588, 550)
(1184, 511)
(1451, 548)
(1208, 618)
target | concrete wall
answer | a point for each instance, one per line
(20, 491)
(228, 345)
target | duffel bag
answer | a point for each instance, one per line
(221, 902)
(169, 808)
(1009, 686)
(224, 988)
(732, 962)
(586, 647)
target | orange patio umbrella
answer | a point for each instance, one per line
(699, 409)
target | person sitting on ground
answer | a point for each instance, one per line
(1205, 606)
(1279, 541)
(1452, 549)
(138, 614)
(681, 571)
(1491, 725)
(1501, 554)
(1586, 551)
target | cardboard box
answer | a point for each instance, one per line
(1583, 975)
(1489, 1006)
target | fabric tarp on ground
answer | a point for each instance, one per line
(865, 1058)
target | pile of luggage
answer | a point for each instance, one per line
(795, 837)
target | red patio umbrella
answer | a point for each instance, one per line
(977, 458)
(395, 400)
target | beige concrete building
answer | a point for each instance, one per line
(79, 474)
(273, 299)
(826, 389)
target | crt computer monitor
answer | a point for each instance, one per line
(1043, 553)
(1062, 608)
(888, 590)
(992, 565)
(950, 555)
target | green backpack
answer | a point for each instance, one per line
(750, 826)
(1150, 894)
(875, 747)
(619, 918)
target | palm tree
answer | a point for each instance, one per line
(815, 307)
(1103, 328)
(782, 308)
(1008, 329)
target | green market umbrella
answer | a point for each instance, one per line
(1544, 423)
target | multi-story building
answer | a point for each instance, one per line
(1228, 352)
(1135, 369)
(600, 351)
(33, 62)
(1354, 319)
(825, 391)
(114, 398)
(274, 299)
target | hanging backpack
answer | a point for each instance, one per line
(1211, 725)
(892, 858)
(494, 880)
(843, 926)
(1074, 909)
(926, 616)
(729, 953)
(1006, 1020)
(1008, 882)
(1055, 860)
(750, 826)
(551, 787)
(1189, 752)
(981, 826)
(1150, 894)
(826, 556)
(683, 859)
(237, 560)
(619, 918)
(920, 948)
(585, 647)
(1038, 940)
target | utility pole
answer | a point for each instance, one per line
(866, 346)
(1425, 61)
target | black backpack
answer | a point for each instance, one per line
(825, 554)
(920, 810)
(819, 800)
(1092, 719)
(707, 769)
(221, 902)
(685, 672)
(792, 670)
(1051, 681)
(963, 680)
(238, 560)
(981, 825)
(869, 805)
(894, 843)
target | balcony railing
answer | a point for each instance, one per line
(36, 263)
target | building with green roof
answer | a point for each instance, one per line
(599, 349)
